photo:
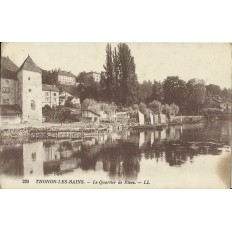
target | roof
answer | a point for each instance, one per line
(70, 98)
(7, 64)
(9, 110)
(92, 112)
(50, 88)
(29, 65)
(8, 68)
(65, 73)
(93, 72)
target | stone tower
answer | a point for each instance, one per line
(30, 91)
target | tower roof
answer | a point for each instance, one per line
(29, 65)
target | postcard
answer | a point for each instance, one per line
(115, 115)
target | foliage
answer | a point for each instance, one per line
(213, 89)
(49, 77)
(88, 102)
(196, 95)
(157, 91)
(127, 75)
(58, 114)
(120, 84)
(145, 91)
(155, 106)
(175, 91)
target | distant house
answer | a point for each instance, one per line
(66, 98)
(96, 76)
(50, 95)
(224, 105)
(10, 114)
(66, 78)
(107, 111)
(73, 101)
(103, 114)
(90, 115)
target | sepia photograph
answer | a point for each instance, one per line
(115, 115)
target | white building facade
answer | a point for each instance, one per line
(66, 78)
(50, 95)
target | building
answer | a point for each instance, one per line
(96, 76)
(73, 102)
(224, 105)
(67, 98)
(21, 88)
(90, 115)
(66, 78)
(10, 114)
(8, 82)
(29, 77)
(50, 95)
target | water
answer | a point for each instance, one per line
(188, 156)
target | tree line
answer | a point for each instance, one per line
(119, 84)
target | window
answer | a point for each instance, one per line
(33, 156)
(32, 104)
(54, 99)
(7, 81)
(46, 93)
(29, 90)
(54, 94)
(29, 78)
(47, 99)
(6, 101)
(5, 89)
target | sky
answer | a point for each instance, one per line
(211, 62)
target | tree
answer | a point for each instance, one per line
(157, 91)
(174, 109)
(175, 91)
(145, 91)
(49, 77)
(103, 87)
(116, 76)
(87, 103)
(142, 108)
(196, 96)
(127, 76)
(208, 100)
(213, 89)
(155, 106)
(226, 93)
(110, 78)
(135, 107)
(165, 109)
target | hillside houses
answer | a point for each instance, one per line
(106, 111)
(96, 76)
(66, 78)
(223, 104)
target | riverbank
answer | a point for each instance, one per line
(25, 132)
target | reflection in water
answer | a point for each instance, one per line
(120, 155)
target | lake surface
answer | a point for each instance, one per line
(188, 156)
